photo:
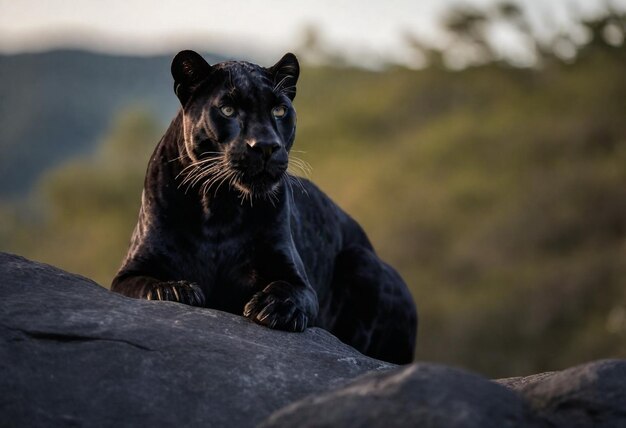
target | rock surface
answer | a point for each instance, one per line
(591, 395)
(419, 395)
(429, 396)
(73, 353)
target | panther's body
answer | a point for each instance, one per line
(223, 225)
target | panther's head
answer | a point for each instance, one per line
(238, 122)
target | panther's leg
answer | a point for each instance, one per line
(283, 306)
(371, 308)
(145, 287)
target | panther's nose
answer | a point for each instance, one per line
(264, 148)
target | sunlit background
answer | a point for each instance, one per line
(482, 144)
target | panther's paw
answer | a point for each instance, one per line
(275, 307)
(184, 292)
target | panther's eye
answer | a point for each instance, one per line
(227, 110)
(279, 111)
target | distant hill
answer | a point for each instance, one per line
(58, 104)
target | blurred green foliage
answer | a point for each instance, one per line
(82, 213)
(498, 193)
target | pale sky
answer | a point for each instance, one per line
(264, 27)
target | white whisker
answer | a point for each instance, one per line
(296, 180)
(301, 165)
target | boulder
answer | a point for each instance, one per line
(429, 395)
(419, 395)
(74, 353)
(590, 395)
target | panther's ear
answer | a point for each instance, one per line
(285, 73)
(188, 70)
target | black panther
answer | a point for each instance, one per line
(223, 224)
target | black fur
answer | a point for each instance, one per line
(223, 225)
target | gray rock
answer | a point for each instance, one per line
(590, 395)
(427, 395)
(73, 353)
(419, 395)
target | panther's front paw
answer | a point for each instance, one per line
(177, 291)
(275, 307)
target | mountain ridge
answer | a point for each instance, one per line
(58, 104)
